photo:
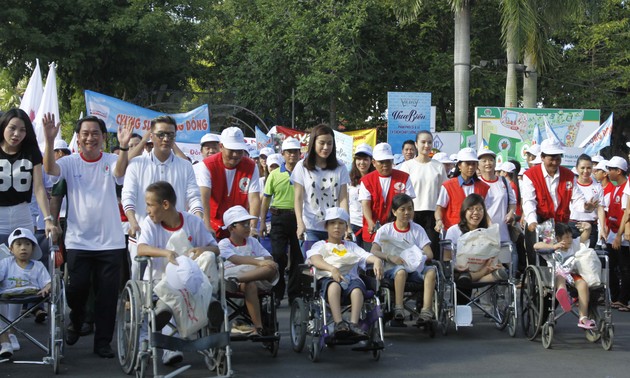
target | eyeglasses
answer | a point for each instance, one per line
(162, 135)
(475, 209)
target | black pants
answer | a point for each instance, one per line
(426, 219)
(100, 269)
(619, 260)
(283, 235)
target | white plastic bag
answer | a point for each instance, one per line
(338, 256)
(476, 247)
(414, 257)
(588, 266)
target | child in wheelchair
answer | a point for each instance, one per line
(249, 266)
(565, 247)
(412, 235)
(339, 260)
(21, 274)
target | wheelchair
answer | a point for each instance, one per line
(136, 309)
(456, 302)
(310, 316)
(538, 302)
(56, 301)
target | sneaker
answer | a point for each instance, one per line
(359, 333)
(563, 298)
(342, 330)
(243, 329)
(15, 344)
(6, 351)
(399, 314)
(171, 357)
(72, 336)
(426, 315)
(500, 275)
(231, 284)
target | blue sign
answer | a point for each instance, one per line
(407, 113)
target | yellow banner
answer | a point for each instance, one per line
(362, 136)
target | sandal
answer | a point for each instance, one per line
(399, 314)
(563, 299)
(586, 323)
(426, 315)
(342, 330)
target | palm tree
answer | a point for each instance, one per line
(407, 11)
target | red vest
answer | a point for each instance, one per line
(615, 212)
(456, 196)
(545, 208)
(220, 199)
(382, 207)
(609, 189)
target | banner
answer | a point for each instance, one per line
(191, 126)
(599, 139)
(263, 140)
(407, 113)
(362, 136)
(49, 104)
(33, 94)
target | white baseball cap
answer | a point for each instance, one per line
(485, 151)
(453, 158)
(382, 151)
(267, 151)
(602, 166)
(291, 144)
(508, 167)
(25, 233)
(274, 159)
(551, 147)
(442, 157)
(60, 144)
(363, 148)
(534, 149)
(209, 138)
(235, 214)
(618, 162)
(467, 154)
(597, 158)
(232, 138)
(333, 213)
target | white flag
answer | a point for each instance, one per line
(49, 104)
(33, 94)
(550, 133)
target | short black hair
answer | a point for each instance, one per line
(101, 124)
(164, 192)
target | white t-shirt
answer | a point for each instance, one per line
(93, 216)
(593, 190)
(415, 235)
(354, 205)
(349, 247)
(364, 194)
(322, 189)
(427, 179)
(204, 178)
(252, 248)
(497, 208)
(13, 278)
(156, 235)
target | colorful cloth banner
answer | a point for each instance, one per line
(191, 126)
(499, 143)
(599, 139)
(362, 136)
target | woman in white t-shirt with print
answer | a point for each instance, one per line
(361, 165)
(321, 182)
(594, 194)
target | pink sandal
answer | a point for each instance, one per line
(563, 298)
(586, 323)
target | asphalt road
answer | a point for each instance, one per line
(478, 351)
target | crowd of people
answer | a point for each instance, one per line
(106, 208)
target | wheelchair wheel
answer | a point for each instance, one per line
(128, 326)
(532, 302)
(547, 335)
(56, 310)
(222, 364)
(297, 324)
(608, 334)
(511, 322)
(501, 306)
(210, 358)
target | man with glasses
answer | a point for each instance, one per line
(160, 164)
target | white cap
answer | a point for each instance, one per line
(597, 158)
(291, 144)
(442, 157)
(274, 159)
(383, 151)
(508, 167)
(534, 149)
(467, 154)
(453, 158)
(60, 144)
(602, 166)
(235, 214)
(618, 162)
(209, 138)
(252, 151)
(267, 151)
(25, 233)
(185, 275)
(364, 148)
(551, 147)
(232, 138)
(537, 160)
(333, 213)
(485, 151)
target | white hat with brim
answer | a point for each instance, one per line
(363, 148)
(382, 151)
(618, 162)
(534, 149)
(333, 213)
(232, 138)
(508, 167)
(453, 158)
(467, 154)
(274, 159)
(537, 160)
(235, 214)
(602, 166)
(291, 144)
(61, 144)
(208, 138)
(267, 151)
(24, 233)
(551, 147)
(442, 157)
(485, 151)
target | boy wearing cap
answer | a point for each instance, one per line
(279, 189)
(209, 145)
(20, 274)
(230, 179)
(377, 190)
(249, 266)
(339, 260)
(600, 172)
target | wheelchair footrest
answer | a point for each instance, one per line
(264, 339)
(217, 340)
(368, 346)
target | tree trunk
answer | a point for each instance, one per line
(511, 84)
(462, 65)
(530, 83)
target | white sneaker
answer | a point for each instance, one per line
(171, 357)
(6, 351)
(15, 344)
